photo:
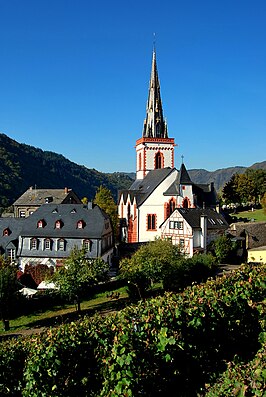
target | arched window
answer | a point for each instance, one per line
(171, 205)
(186, 203)
(151, 222)
(140, 162)
(158, 160)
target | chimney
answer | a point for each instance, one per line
(66, 190)
(203, 237)
(89, 205)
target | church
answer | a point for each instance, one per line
(159, 188)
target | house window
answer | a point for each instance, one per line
(61, 244)
(47, 244)
(176, 225)
(80, 224)
(22, 214)
(87, 245)
(11, 253)
(151, 222)
(58, 224)
(6, 232)
(33, 243)
(182, 243)
(40, 224)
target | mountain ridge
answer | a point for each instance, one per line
(22, 166)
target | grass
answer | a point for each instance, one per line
(257, 215)
(61, 314)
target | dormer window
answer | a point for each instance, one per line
(80, 224)
(6, 232)
(40, 223)
(87, 245)
(47, 244)
(33, 243)
(58, 224)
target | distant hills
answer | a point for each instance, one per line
(22, 166)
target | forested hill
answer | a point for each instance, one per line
(22, 166)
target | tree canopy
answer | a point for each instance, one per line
(105, 201)
(244, 188)
(78, 274)
(161, 261)
(8, 286)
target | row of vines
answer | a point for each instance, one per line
(171, 345)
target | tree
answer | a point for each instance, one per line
(224, 249)
(79, 274)
(148, 264)
(105, 201)
(8, 287)
(263, 203)
(161, 261)
(247, 187)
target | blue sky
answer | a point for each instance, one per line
(74, 78)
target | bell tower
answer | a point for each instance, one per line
(154, 150)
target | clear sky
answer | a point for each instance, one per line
(74, 78)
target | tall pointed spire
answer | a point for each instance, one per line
(154, 124)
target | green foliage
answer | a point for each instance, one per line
(247, 187)
(224, 249)
(78, 274)
(8, 286)
(183, 340)
(160, 260)
(105, 201)
(263, 203)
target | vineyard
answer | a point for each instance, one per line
(207, 341)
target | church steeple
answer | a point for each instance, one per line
(154, 149)
(154, 123)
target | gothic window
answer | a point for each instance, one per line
(171, 205)
(151, 222)
(185, 203)
(140, 163)
(158, 160)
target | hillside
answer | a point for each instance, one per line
(22, 166)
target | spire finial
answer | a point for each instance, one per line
(182, 157)
(154, 42)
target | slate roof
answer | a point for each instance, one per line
(14, 225)
(141, 189)
(192, 216)
(37, 197)
(69, 215)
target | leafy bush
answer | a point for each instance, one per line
(184, 340)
